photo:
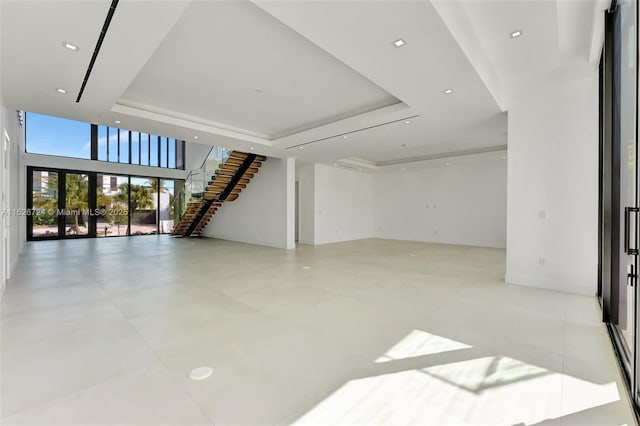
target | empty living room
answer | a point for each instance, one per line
(327, 212)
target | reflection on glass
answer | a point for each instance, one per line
(76, 204)
(45, 204)
(124, 146)
(113, 216)
(153, 149)
(625, 90)
(136, 141)
(172, 153)
(102, 143)
(166, 207)
(164, 149)
(142, 205)
(144, 149)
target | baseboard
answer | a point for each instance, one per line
(246, 241)
(319, 243)
(472, 243)
(586, 289)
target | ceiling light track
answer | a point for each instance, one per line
(96, 51)
(346, 134)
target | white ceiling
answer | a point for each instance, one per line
(326, 69)
(233, 63)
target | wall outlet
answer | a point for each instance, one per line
(542, 214)
(542, 261)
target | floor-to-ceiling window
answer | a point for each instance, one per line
(44, 204)
(72, 204)
(619, 212)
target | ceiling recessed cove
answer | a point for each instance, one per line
(307, 87)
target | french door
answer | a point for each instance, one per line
(619, 209)
(60, 204)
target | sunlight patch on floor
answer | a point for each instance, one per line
(418, 343)
(495, 390)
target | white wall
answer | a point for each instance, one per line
(305, 176)
(464, 203)
(552, 208)
(15, 193)
(264, 212)
(343, 203)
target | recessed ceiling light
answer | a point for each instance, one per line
(448, 164)
(515, 34)
(448, 91)
(117, 121)
(345, 137)
(407, 121)
(195, 137)
(251, 148)
(63, 91)
(399, 42)
(70, 46)
(301, 147)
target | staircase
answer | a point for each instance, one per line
(226, 185)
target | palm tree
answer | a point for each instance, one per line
(77, 196)
(141, 196)
(156, 184)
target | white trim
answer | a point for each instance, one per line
(587, 289)
(246, 241)
(473, 243)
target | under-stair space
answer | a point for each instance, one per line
(230, 178)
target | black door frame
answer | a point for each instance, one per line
(62, 196)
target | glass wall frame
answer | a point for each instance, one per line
(48, 135)
(75, 204)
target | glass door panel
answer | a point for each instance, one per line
(44, 218)
(112, 206)
(143, 201)
(166, 205)
(624, 136)
(76, 208)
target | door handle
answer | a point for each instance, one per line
(627, 228)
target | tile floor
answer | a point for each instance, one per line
(361, 333)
